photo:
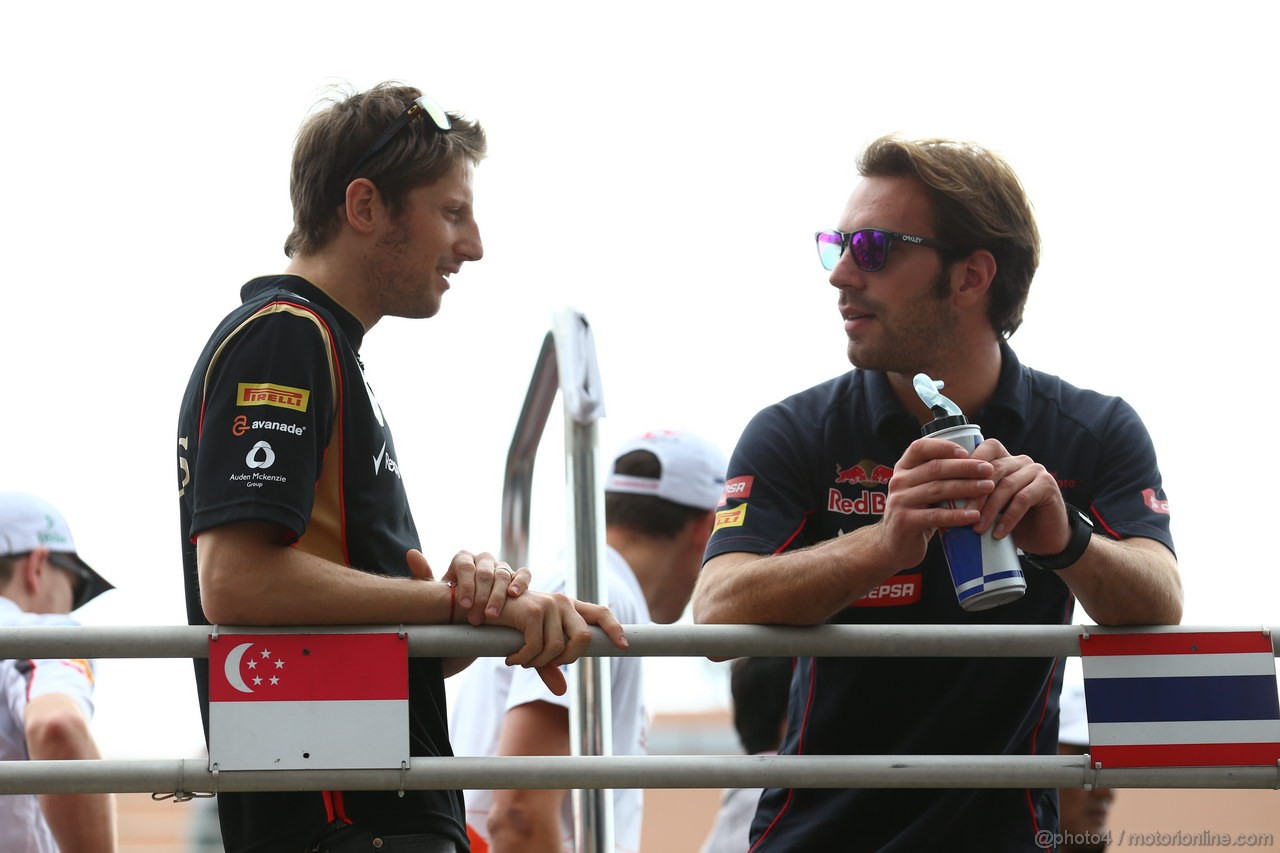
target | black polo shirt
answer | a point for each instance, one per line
(815, 466)
(279, 424)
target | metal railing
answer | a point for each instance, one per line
(712, 641)
(567, 365)
(184, 777)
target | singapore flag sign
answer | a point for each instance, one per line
(308, 701)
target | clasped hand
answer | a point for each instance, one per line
(556, 628)
(937, 484)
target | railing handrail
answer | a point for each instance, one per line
(182, 776)
(185, 776)
(714, 641)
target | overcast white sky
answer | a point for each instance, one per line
(661, 168)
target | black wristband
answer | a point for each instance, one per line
(1081, 532)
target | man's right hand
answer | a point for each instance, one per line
(484, 583)
(556, 631)
(932, 471)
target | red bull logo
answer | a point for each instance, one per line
(866, 473)
(854, 474)
(868, 503)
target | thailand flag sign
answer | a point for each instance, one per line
(1173, 699)
(308, 701)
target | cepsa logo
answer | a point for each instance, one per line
(730, 517)
(897, 591)
(738, 488)
(268, 394)
(1154, 503)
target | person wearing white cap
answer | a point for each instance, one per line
(1082, 814)
(45, 705)
(660, 498)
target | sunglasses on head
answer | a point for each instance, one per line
(420, 106)
(868, 246)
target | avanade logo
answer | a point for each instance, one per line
(241, 425)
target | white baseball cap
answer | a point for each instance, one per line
(28, 523)
(692, 469)
(1073, 723)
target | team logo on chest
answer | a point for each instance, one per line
(868, 474)
(383, 459)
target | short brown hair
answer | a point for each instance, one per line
(648, 515)
(978, 203)
(331, 140)
(7, 565)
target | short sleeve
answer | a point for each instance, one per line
(1129, 498)
(767, 497)
(265, 422)
(71, 677)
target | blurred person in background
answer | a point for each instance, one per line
(759, 687)
(1082, 815)
(659, 500)
(46, 705)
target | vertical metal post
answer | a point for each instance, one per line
(567, 361)
(590, 693)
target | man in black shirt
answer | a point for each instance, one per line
(293, 507)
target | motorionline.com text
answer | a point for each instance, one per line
(1122, 838)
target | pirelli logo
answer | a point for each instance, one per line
(267, 394)
(730, 517)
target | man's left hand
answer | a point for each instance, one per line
(1026, 501)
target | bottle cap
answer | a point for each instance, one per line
(943, 422)
(945, 413)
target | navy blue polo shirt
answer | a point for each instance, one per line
(815, 466)
(279, 424)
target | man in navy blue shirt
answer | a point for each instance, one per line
(833, 499)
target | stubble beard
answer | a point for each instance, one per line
(918, 341)
(397, 292)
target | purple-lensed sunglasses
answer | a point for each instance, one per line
(868, 246)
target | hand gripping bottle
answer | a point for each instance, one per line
(985, 570)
